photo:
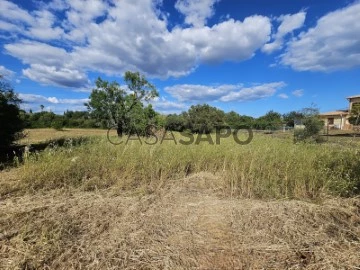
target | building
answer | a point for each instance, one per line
(340, 119)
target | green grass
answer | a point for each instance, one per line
(269, 167)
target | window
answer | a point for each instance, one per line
(330, 121)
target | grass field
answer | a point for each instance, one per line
(47, 134)
(270, 204)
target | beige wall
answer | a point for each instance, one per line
(339, 122)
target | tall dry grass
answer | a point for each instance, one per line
(268, 167)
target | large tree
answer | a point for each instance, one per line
(271, 120)
(10, 120)
(236, 121)
(118, 107)
(204, 118)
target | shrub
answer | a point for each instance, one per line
(10, 119)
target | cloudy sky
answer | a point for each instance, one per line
(249, 56)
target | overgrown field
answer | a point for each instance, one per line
(270, 204)
(46, 134)
(268, 167)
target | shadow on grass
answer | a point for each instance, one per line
(9, 154)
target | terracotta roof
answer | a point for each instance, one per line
(357, 96)
(339, 112)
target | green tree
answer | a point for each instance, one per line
(236, 121)
(175, 122)
(271, 120)
(112, 105)
(290, 118)
(10, 119)
(313, 125)
(232, 119)
(355, 116)
(204, 118)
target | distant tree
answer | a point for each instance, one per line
(175, 122)
(290, 118)
(232, 119)
(58, 122)
(204, 118)
(42, 107)
(115, 106)
(10, 119)
(271, 120)
(160, 120)
(236, 121)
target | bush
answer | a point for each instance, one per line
(58, 124)
(313, 126)
(10, 119)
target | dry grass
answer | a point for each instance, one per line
(188, 224)
(167, 206)
(47, 134)
(269, 167)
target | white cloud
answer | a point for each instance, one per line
(10, 27)
(7, 73)
(43, 27)
(125, 35)
(58, 105)
(230, 40)
(165, 106)
(196, 12)
(194, 92)
(33, 52)
(48, 64)
(13, 12)
(283, 96)
(225, 93)
(254, 93)
(289, 23)
(298, 93)
(51, 75)
(333, 44)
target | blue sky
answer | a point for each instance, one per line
(250, 56)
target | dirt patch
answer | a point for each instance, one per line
(187, 224)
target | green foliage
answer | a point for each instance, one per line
(70, 119)
(290, 117)
(270, 121)
(175, 122)
(313, 125)
(58, 123)
(236, 121)
(79, 119)
(11, 121)
(160, 120)
(111, 105)
(204, 118)
(355, 115)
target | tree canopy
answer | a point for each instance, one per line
(10, 119)
(112, 105)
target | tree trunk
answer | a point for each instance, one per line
(119, 129)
